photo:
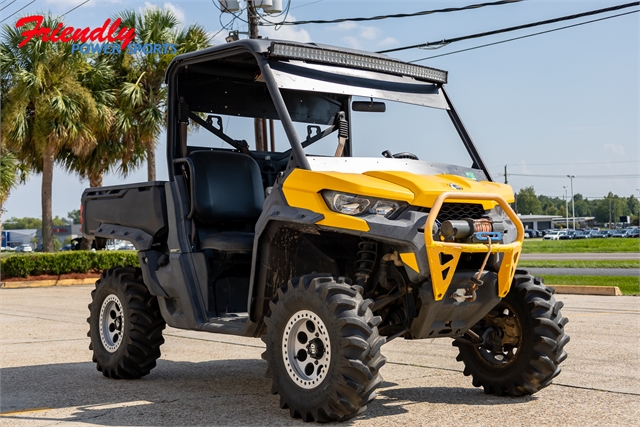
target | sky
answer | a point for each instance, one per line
(556, 104)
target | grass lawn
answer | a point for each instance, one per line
(629, 285)
(583, 245)
(579, 264)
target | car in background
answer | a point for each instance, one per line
(569, 236)
(634, 233)
(25, 247)
(67, 247)
(580, 234)
(619, 233)
(530, 233)
(554, 235)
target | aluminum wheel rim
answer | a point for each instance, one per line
(111, 323)
(509, 352)
(306, 349)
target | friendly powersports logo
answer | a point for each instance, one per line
(107, 39)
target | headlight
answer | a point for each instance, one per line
(352, 204)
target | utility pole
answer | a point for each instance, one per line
(505, 174)
(258, 123)
(573, 202)
(566, 206)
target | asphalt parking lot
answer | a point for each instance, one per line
(47, 377)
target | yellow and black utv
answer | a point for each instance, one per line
(325, 256)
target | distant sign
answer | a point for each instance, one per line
(625, 219)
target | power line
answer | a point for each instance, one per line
(8, 5)
(522, 37)
(518, 27)
(564, 164)
(304, 5)
(17, 11)
(69, 11)
(577, 176)
(397, 15)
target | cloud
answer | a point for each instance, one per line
(346, 26)
(176, 10)
(286, 32)
(353, 42)
(388, 41)
(614, 148)
(369, 33)
(358, 35)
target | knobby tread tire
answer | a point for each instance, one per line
(538, 359)
(353, 375)
(137, 354)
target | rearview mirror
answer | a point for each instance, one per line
(371, 107)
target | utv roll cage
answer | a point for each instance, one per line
(295, 82)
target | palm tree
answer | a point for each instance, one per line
(112, 151)
(11, 174)
(142, 92)
(45, 109)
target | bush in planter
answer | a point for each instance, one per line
(64, 263)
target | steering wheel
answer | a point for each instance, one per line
(403, 155)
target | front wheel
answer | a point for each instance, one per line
(125, 325)
(323, 349)
(523, 341)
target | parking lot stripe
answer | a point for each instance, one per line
(23, 411)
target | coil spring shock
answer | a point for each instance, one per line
(367, 255)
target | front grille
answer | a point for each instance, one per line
(453, 211)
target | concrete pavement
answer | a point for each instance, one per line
(585, 271)
(47, 377)
(583, 256)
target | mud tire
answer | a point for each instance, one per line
(139, 345)
(541, 348)
(355, 360)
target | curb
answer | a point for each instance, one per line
(47, 283)
(613, 291)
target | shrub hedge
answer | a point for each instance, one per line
(65, 262)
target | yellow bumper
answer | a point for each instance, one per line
(443, 268)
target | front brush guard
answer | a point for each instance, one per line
(443, 257)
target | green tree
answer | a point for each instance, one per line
(11, 174)
(142, 93)
(46, 108)
(57, 221)
(74, 216)
(582, 206)
(633, 205)
(14, 223)
(528, 202)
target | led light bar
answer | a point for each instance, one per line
(373, 63)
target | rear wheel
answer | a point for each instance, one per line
(323, 349)
(524, 341)
(125, 325)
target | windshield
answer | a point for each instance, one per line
(411, 120)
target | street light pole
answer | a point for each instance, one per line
(566, 207)
(573, 202)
